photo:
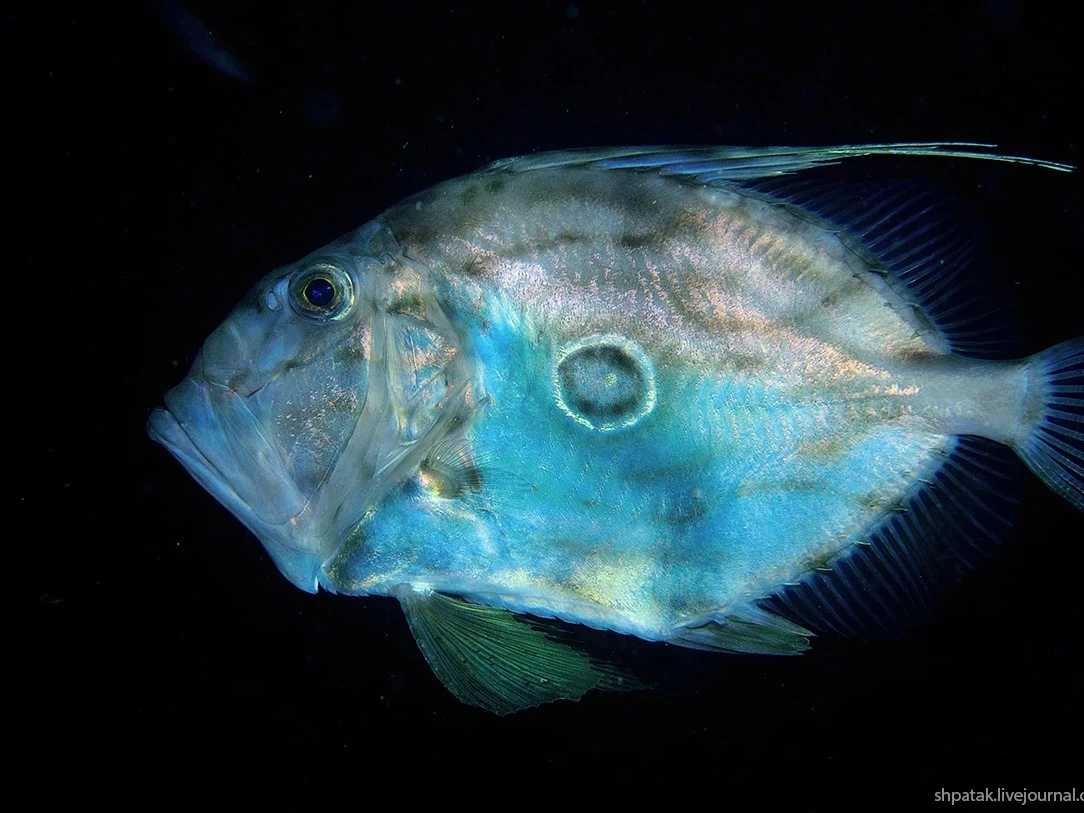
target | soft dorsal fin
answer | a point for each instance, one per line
(724, 164)
(927, 245)
(489, 658)
(888, 582)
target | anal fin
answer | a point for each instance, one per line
(752, 631)
(890, 581)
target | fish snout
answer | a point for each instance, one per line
(227, 359)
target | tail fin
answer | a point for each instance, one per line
(1054, 448)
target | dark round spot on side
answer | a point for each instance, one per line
(602, 383)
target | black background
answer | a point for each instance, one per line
(156, 647)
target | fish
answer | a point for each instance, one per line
(696, 395)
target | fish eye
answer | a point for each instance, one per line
(322, 291)
(604, 382)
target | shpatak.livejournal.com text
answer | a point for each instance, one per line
(1022, 796)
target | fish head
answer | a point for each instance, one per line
(322, 390)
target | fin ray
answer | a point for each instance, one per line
(1054, 446)
(748, 163)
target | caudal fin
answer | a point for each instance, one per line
(1054, 449)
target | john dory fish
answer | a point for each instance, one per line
(675, 393)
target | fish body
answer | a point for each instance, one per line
(632, 389)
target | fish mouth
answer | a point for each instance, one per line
(209, 428)
(164, 428)
(212, 432)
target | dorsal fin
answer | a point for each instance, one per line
(723, 164)
(891, 579)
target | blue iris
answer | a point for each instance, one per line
(320, 292)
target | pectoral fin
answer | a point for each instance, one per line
(489, 658)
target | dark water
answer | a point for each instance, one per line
(158, 649)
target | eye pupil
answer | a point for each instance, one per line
(320, 292)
